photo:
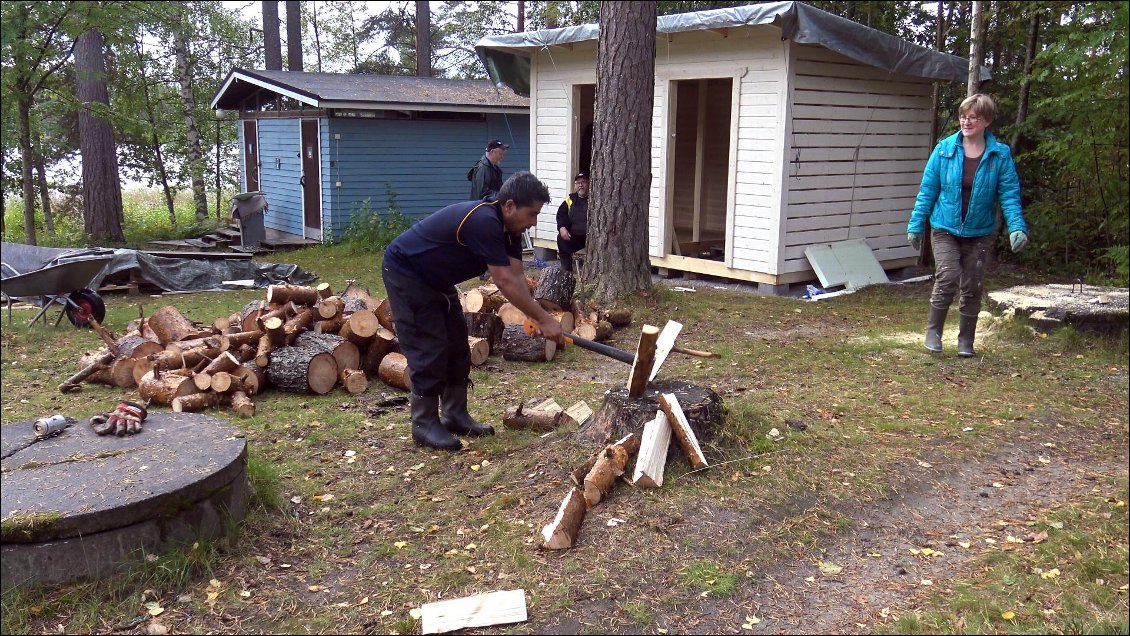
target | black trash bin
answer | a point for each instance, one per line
(248, 209)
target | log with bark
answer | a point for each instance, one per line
(487, 326)
(511, 315)
(249, 315)
(561, 533)
(329, 308)
(394, 371)
(170, 325)
(519, 417)
(333, 325)
(132, 345)
(298, 323)
(298, 294)
(164, 388)
(516, 345)
(241, 404)
(223, 362)
(344, 351)
(360, 327)
(197, 402)
(484, 299)
(325, 290)
(631, 445)
(91, 365)
(480, 350)
(210, 342)
(595, 331)
(168, 360)
(611, 464)
(384, 315)
(302, 370)
(645, 358)
(354, 380)
(232, 342)
(382, 344)
(225, 382)
(619, 415)
(273, 337)
(284, 312)
(357, 298)
(618, 317)
(555, 289)
(253, 377)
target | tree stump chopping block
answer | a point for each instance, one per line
(516, 345)
(555, 289)
(488, 326)
(619, 415)
(302, 370)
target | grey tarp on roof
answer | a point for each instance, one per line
(168, 274)
(506, 57)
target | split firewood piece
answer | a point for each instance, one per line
(611, 464)
(652, 458)
(480, 350)
(332, 325)
(382, 344)
(518, 417)
(299, 294)
(617, 317)
(225, 382)
(682, 430)
(298, 323)
(253, 377)
(580, 412)
(223, 362)
(231, 342)
(360, 327)
(167, 360)
(164, 388)
(480, 610)
(354, 380)
(393, 371)
(595, 331)
(511, 315)
(273, 337)
(517, 345)
(346, 353)
(484, 299)
(88, 366)
(241, 404)
(358, 293)
(330, 307)
(197, 402)
(170, 325)
(488, 326)
(302, 370)
(325, 290)
(249, 315)
(555, 289)
(132, 345)
(663, 345)
(561, 533)
(645, 356)
(384, 315)
(630, 443)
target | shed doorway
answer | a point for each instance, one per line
(699, 167)
(584, 96)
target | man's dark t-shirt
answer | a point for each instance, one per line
(454, 244)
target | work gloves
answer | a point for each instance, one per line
(915, 240)
(1018, 240)
(126, 419)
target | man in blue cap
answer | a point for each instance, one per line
(486, 175)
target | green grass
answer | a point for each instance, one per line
(705, 576)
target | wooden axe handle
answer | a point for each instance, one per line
(696, 353)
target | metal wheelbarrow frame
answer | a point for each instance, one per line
(56, 284)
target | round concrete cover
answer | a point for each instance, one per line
(86, 483)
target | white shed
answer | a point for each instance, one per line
(775, 127)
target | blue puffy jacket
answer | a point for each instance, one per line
(939, 196)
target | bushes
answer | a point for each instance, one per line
(370, 231)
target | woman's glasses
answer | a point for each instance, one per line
(970, 118)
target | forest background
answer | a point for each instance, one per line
(146, 73)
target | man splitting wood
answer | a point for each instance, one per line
(420, 271)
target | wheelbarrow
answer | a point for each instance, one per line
(64, 284)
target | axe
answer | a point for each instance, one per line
(626, 357)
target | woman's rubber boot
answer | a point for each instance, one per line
(966, 332)
(934, 325)
(456, 418)
(426, 427)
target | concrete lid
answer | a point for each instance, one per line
(79, 483)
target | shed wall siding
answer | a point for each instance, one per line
(279, 141)
(860, 139)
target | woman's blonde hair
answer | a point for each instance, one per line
(979, 104)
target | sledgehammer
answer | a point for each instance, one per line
(596, 347)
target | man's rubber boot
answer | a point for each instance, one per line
(967, 330)
(934, 325)
(456, 418)
(426, 427)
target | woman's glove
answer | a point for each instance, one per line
(915, 240)
(1019, 241)
(124, 420)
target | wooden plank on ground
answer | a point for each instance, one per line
(652, 457)
(682, 430)
(480, 610)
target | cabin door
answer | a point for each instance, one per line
(311, 181)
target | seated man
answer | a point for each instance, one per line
(572, 219)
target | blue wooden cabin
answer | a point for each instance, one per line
(325, 146)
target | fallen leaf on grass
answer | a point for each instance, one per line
(1037, 537)
(830, 568)
(154, 608)
(1050, 574)
(750, 621)
(925, 582)
(964, 544)
(400, 544)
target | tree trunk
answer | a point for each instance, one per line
(272, 41)
(25, 169)
(317, 36)
(976, 48)
(293, 35)
(1026, 83)
(41, 178)
(618, 261)
(101, 185)
(158, 158)
(188, 105)
(423, 39)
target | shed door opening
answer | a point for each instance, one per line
(697, 188)
(251, 153)
(585, 99)
(311, 180)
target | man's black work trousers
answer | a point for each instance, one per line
(431, 331)
(566, 249)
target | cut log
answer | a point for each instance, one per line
(273, 336)
(167, 360)
(354, 380)
(555, 289)
(302, 370)
(231, 342)
(324, 290)
(645, 357)
(222, 323)
(330, 307)
(619, 415)
(170, 325)
(241, 404)
(561, 533)
(253, 377)
(394, 372)
(134, 346)
(333, 325)
(480, 350)
(344, 351)
(652, 458)
(249, 315)
(244, 353)
(519, 417)
(224, 382)
(360, 327)
(223, 362)
(484, 299)
(298, 323)
(595, 331)
(516, 345)
(197, 402)
(209, 342)
(682, 430)
(617, 317)
(121, 373)
(352, 304)
(382, 344)
(384, 315)
(631, 445)
(511, 315)
(610, 465)
(487, 326)
(89, 366)
(354, 294)
(298, 294)
(166, 387)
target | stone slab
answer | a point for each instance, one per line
(79, 483)
(1086, 307)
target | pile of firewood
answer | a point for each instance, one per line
(309, 340)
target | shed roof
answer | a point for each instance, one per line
(344, 90)
(506, 57)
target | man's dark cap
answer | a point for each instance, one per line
(497, 143)
(581, 175)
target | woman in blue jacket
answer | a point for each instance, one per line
(968, 173)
